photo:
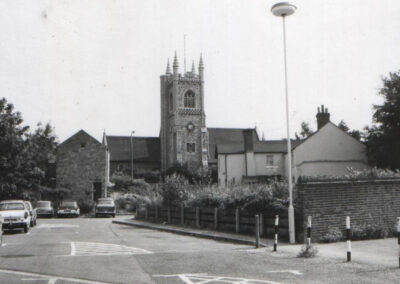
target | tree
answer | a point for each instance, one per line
(355, 133)
(22, 155)
(305, 131)
(343, 125)
(383, 138)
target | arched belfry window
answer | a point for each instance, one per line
(189, 100)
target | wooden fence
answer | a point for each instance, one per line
(230, 220)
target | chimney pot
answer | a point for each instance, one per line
(323, 117)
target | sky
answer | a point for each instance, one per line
(96, 65)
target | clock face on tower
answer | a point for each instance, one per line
(190, 126)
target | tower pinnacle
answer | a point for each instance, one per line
(201, 65)
(168, 72)
(193, 68)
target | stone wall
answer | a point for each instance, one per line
(81, 161)
(368, 202)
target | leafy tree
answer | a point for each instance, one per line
(343, 125)
(305, 131)
(383, 138)
(23, 156)
(355, 133)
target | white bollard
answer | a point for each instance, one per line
(309, 231)
(276, 228)
(348, 237)
(398, 236)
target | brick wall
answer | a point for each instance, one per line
(374, 202)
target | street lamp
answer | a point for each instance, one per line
(133, 132)
(284, 9)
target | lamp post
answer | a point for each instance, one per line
(133, 132)
(284, 9)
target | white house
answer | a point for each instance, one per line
(329, 151)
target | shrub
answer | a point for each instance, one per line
(174, 190)
(308, 251)
(368, 231)
(333, 235)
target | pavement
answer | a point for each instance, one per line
(383, 252)
(95, 250)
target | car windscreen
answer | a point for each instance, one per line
(11, 206)
(106, 201)
(68, 205)
(28, 206)
(43, 204)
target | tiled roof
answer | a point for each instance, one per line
(225, 136)
(145, 149)
(273, 146)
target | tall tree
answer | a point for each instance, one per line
(23, 155)
(383, 138)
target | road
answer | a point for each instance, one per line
(90, 250)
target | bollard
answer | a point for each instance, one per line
(257, 230)
(261, 224)
(398, 236)
(237, 220)
(309, 232)
(156, 212)
(197, 217)
(1, 231)
(169, 215)
(348, 238)
(276, 228)
(182, 214)
(146, 216)
(215, 218)
(137, 211)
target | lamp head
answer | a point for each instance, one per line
(283, 9)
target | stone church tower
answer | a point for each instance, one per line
(184, 137)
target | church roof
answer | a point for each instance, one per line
(145, 149)
(225, 136)
(272, 146)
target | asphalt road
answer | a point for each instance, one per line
(89, 250)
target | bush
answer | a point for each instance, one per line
(308, 251)
(368, 231)
(333, 235)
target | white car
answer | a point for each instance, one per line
(15, 214)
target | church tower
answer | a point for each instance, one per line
(183, 135)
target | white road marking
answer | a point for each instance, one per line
(88, 249)
(49, 277)
(73, 250)
(200, 278)
(49, 281)
(56, 226)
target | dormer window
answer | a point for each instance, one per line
(189, 100)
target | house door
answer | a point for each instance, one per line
(96, 190)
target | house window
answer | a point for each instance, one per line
(189, 100)
(190, 147)
(83, 145)
(270, 160)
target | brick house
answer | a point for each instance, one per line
(82, 166)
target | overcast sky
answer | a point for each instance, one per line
(96, 65)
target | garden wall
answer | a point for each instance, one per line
(371, 204)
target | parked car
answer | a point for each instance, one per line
(105, 207)
(68, 208)
(32, 212)
(15, 214)
(44, 209)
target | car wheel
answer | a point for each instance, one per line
(26, 228)
(113, 215)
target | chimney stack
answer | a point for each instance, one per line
(322, 117)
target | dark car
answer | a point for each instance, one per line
(105, 207)
(44, 209)
(68, 208)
